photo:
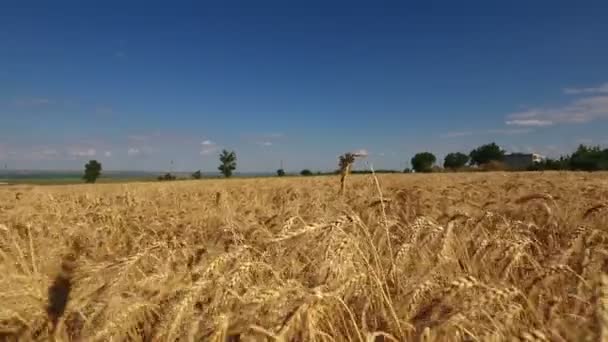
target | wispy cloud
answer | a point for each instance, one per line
(33, 102)
(107, 154)
(91, 152)
(138, 138)
(529, 122)
(498, 131)
(456, 134)
(49, 152)
(208, 147)
(602, 89)
(34, 153)
(580, 110)
(361, 152)
(266, 140)
(208, 151)
(132, 151)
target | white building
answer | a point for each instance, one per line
(521, 161)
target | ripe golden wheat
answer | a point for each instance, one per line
(438, 257)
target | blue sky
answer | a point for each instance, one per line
(137, 84)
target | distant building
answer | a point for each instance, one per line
(521, 161)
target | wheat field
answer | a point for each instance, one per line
(438, 257)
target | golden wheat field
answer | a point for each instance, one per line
(438, 257)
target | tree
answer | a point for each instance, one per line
(551, 164)
(423, 162)
(228, 160)
(589, 158)
(455, 160)
(197, 175)
(306, 172)
(166, 177)
(486, 153)
(280, 172)
(92, 170)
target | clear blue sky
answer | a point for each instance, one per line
(136, 84)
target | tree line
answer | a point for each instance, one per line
(485, 157)
(491, 156)
(482, 156)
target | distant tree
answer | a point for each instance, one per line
(563, 163)
(455, 160)
(197, 175)
(306, 172)
(280, 172)
(228, 163)
(407, 170)
(437, 168)
(589, 158)
(92, 171)
(486, 153)
(166, 177)
(423, 162)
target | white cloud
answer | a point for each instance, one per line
(529, 122)
(107, 153)
(83, 153)
(132, 151)
(361, 152)
(49, 152)
(580, 110)
(602, 89)
(208, 151)
(266, 140)
(208, 147)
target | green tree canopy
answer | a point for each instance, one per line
(197, 175)
(228, 163)
(280, 172)
(423, 162)
(589, 158)
(306, 172)
(92, 171)
(455, 160)
(487, 153)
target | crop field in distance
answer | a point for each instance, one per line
(437, 257)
